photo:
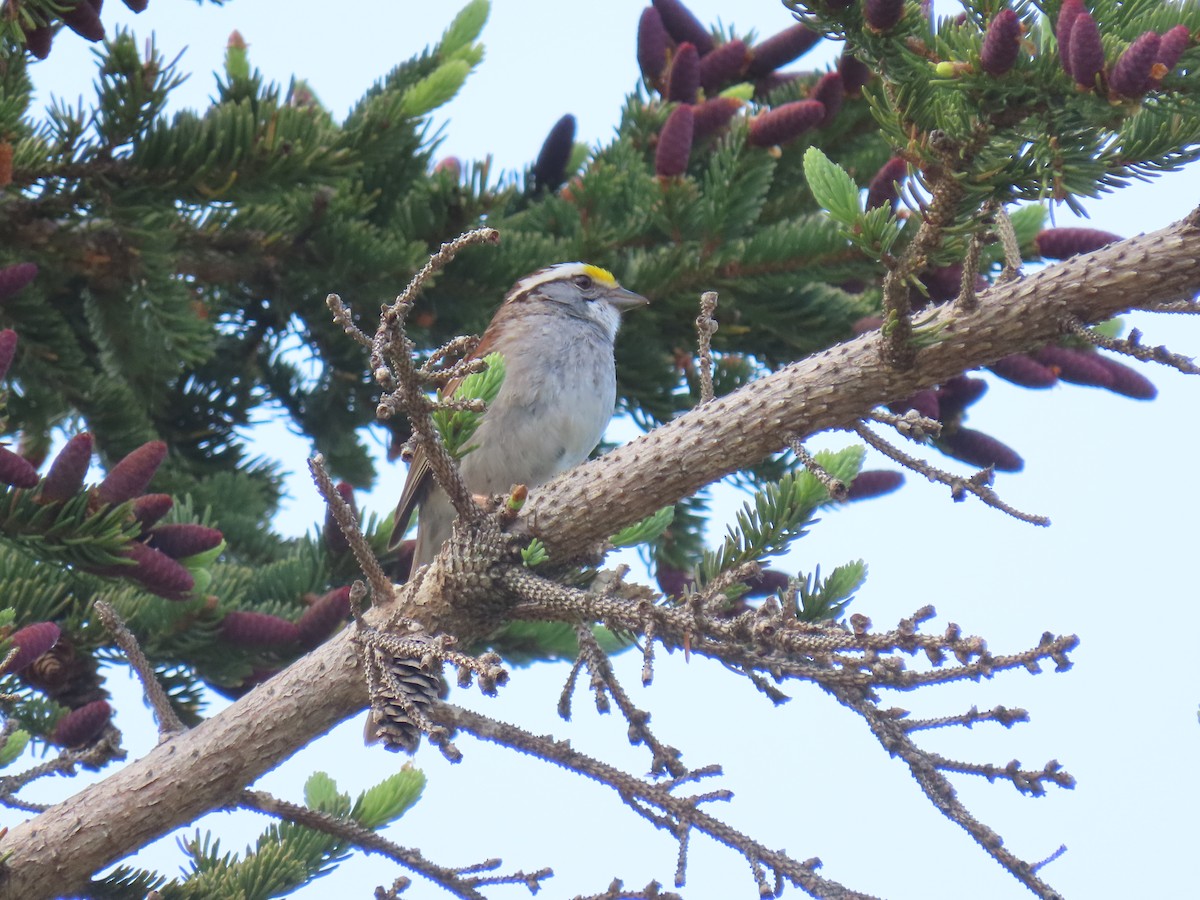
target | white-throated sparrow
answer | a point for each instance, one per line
(555, 330)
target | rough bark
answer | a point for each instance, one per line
(207, 767)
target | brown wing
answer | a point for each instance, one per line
(420, 477)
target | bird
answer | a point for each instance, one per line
(555, 330)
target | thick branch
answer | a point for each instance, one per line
(207, 767)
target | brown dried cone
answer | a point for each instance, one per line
(1174, 42)
(979, 449)
(8, 351)
(683, 26)
(1127, 381)
(713, 115)
(786, 123)
(855, 73)
(882, 15)
(724, 66)
(1087, 50)
(244, 628)
(15, 278)
(550, 170)
(882, 190)
(149, 508)
(15, 470)
(1063, 243)
(65, 478)
(66, 676)
(38, 41)
(84, 20)
(874, 483)
(31, 642)
(334, 539)
(1001, 43)
(683, 82)
(652, 46)
(675, 143)
(81, 726)
(1131, 76)
(132, 474)
(829, 91)
(1067, 14)
(183, 540)
(780, 49)
(1022, 369)
(1075, 366)
(957, 394)
(323, 615)
(388, 722)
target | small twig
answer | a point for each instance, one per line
(160, 702)
(967, 299)
(912, 424)
(838, 489)
(706, 327)
(616, 891)
(342, 316)
(978, 484)
(1012, 246)
(1001, 714)
(1187, 307)
(105, 749)
(1132, 346)
(347, 521)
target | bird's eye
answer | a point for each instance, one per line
(583, 282)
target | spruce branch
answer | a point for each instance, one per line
(107, 748)
(347, 522)
(1133, 346)
(156, 696)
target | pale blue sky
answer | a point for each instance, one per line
(1113, 474)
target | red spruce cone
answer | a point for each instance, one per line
(829, 92)
(15, 470)
(132, 474)
(766, 584)
(154, 570)
(874, 483)
(924, 402)
(683, 26)
(31, 642)
(1067, 14)
(1075, 366)
(683, 82)
(15, 278)
(8, 350)
(137, 5)
(1127, 381)
(780, 49)
(323, 616)
(1024, 370)
(1001, 43)
(1063, 243)
(671, 581)
(184, 540)
(1170, 48)
(38, 40)
(957, 394)
(882, 15)
(65, 478)
(786, 123)
(652, 45)
(713, 115)
(980, 449)
(149, 508)
(81, 726)
(255, 629)
(84, 20)
(882, 191)
(1087, 51)
(675, 143)
(855, 74)
(1131, 76)
(550, 170)
(725, 65)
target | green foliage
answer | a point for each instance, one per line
(14, 745)
(524, 643)
(648, 529)
(457, 426)
(818, 600)
(534, 554)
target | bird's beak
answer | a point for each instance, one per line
(623, 299)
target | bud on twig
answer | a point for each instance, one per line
(550, 170)
(652, 46)
(785, 123)
(65, 478)
(1131, 76)
(683, 26)
(675, 143)
(683, 82)
(780, 49)
(130, 476)
(1001, 43)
